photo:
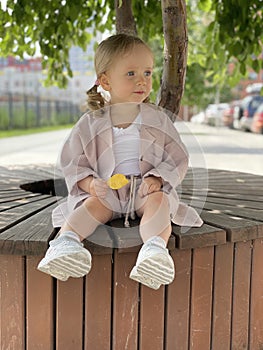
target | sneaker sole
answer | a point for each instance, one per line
(147, 281)
(158, 269)
(74, 265)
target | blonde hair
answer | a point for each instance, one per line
(107, 51)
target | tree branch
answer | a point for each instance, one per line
(125, 22)
(175, 54)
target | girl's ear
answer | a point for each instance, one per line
(104, 82)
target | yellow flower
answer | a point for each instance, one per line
(117, 181)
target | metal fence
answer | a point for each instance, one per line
(27, 111)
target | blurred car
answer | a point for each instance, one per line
(228, 114)
(214, 114)
(257, 120)
(243, 114)
(198, 118)
(249, 107)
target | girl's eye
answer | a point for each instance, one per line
(130, 74)
(148, 73)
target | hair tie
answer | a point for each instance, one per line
(97, 83)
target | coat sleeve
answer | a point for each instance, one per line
(74, 163)
(174, 163)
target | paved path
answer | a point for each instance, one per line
(210, 147)
(32, 149)
(224, 148)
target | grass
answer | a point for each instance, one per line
(20, 132)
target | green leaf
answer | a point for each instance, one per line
(205, 5)
(243, 68)
(237, 48)
(256, 66)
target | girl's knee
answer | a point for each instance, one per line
(96, 206)
(153, 202)
(91, 202)
(159, 198)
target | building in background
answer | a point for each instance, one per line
(25, 77)
(25, 101)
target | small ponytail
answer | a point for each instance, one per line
(95, 99)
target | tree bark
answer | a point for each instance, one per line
(175, 55)
(125, 22)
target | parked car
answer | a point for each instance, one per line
(228, 114)
(214, 114)
(198, 118)
(257, 120)
(244, 113)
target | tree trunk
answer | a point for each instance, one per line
(175, 55)
(125, 22)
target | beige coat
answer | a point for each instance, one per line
(88, 151)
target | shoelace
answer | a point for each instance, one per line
(131, 204)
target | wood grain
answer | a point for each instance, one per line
(39, 307)
(12, 298)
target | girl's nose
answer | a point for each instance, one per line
(141, 80)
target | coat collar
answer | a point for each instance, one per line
(151, 117)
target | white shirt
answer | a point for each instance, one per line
(126, 148)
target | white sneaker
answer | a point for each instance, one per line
(154, 266)
(66, 257)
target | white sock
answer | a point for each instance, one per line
(70, 234)
(157, 240)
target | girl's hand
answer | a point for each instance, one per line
(149, 185)
(98, 188)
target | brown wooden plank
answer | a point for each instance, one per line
(39, 305)
(201, 298)
(197, 237)
(29, 172)
(234, 194)
(8, 196)
(129, 239)
(29, 237)
(126, 238)
(178, 299)
(256, 305)
(152, 318)
(16, 175)
(125, 303)
(222, 298)
(246, 193)
(237, 229)
(12, 298)
(233, 201)
(98, 304)
(100, 242)
(69, 334)
(15, 215)
(231, 210)
(241, 296)
(237, 182)
(20, 201)
(218, 180)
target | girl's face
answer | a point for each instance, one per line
(129, 78)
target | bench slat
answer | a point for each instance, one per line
(13, 216)
(238, 229)
(31, 235)
(235, 202)
(197, 237)
(20, 202)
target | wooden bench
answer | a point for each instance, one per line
(216, 301)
